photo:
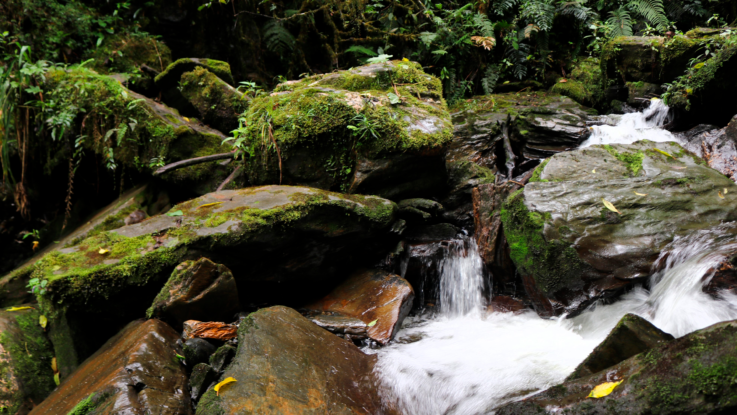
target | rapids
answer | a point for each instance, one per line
(462, 360)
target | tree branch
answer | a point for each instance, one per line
(189, 162)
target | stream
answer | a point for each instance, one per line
(462, 359)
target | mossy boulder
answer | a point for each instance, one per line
(136, 132)
(136, 371)
(377, 129)
(170, 81)
(717, 146)
(694, 374)
(26, 377)
(287, 364)
(560, 232)
(217, 103)
(269, 236)
(632, 58)
(584, 85)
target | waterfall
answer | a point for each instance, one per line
(466, 361)
(628, 128)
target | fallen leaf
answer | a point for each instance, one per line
(103, 251)
(35, 245)
(604, 389)
(56, 267)
(640, 194)
(19, 308)
(610, 206)
(593, 171)
(699, 65)
(678, 167)
(54, 366)
(186, 119)
(56, 378)
(223, 383)
(725, 190)
(180, 357)
(209, 204)
(663, 153)
(372, 324)
(721, 196)
(175, 213)
(563, 80)
(42, 320)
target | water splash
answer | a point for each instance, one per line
(470, 362)
(634, 127)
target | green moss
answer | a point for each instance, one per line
(538, 171)
(126, 53)
(171, 75)
(553, 264)
(210, 404)
(633, 161)
(212, 97)
(84, 407)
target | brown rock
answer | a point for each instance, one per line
(135, 372)
(505, 304)
(209, 330)
(632, 335)
(374, 297)
(285, 364)
(197, 290)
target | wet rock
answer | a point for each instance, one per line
(632, 335)
(561, 234)
(170, 79)
(287, 363)
(718, 146)
(222, 357)
(136, 371)
(197, 351)
(583, 83)
(419, 210)
(692, 374)
(505, 304)
(404, 160)
(640, 93)
(341, 325)
(202, 377)
(197, 290)
(136, 216)
(633, 58)
(26, 377)
(269, 236)
(431, 233)
(377, 298)
(209, 330)
(217, 103)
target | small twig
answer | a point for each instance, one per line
(512, 181)
(190, 162)
(228, 179)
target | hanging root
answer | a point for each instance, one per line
(68, 200)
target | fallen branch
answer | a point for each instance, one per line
(228, 179)
(512, 181)
(190, 162)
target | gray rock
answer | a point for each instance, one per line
(202, 377)
(222, 357)
(197, 351)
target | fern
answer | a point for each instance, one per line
(491, 76)
(620, 22)
(577, 9)
(652, 11)
(539, 13)
(362, 50)
(483, 24)
(277, 38)
(501, 6)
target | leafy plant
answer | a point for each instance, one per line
(37, 286)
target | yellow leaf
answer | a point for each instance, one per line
(640, 194)
(186, 119)
(56, 378)
(372, 324)
(42, 320)
(604, 389)
(725, 190)
(223, 383)
(54, 367)
(19, 308)
(721, 196)
(103, 251)
(699, 65)
(56, 268)
(663, 153)
(593, 171)
(405, 60)
(209, 204)
(610, 206)
(35, 245)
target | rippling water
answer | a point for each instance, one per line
(628, 128)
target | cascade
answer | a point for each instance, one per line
(464, 360)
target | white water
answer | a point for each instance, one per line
(633, 127)
(468, 361)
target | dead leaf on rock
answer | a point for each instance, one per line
(604, 389)
(223, 383)
(610, 206)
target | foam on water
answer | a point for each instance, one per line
(467, 362)
(634, 127)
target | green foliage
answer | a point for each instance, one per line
(277, 38)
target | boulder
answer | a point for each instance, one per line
(633, 58)
(269, 236)
(287, 364)
(197, 290)
(136, 371)
(583, 84)
(377, 298)
(376, 129)
(222, 357)
(561, 233)
(349, 328)
(202, 377)
(171, 82)
(692, 374)
(419, 210)
(718, 146)
(632, 335)
(197, 351)
(217, 103)
(26, 376)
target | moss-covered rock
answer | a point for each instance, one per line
(26, 377)
(217, 103)
(560, 233)
(131, 130)
(632, 58)
(585, 83)
(377, 129)
(691, 375)
(170, 82)
(268, 235)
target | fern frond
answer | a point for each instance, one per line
(491, 76)
(277, 38)
(620, 22)
(484, 25)
(501, 6)
(653, 11)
